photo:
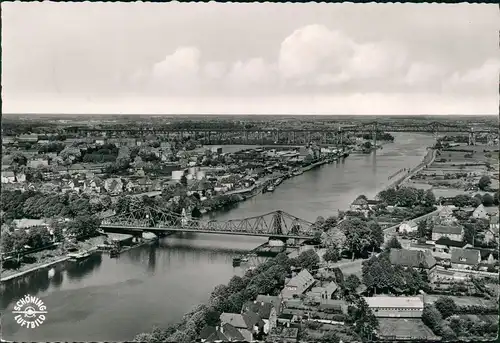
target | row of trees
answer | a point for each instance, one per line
(441, 319)
(355, 236)
(380, 276)
(40, 236)
(37, 205)
(407, 197)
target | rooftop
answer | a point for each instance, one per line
(398, 302)
(412, 258)
(465, 256)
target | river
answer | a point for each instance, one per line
(103, 299)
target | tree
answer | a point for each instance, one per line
(463, 200)
(495, 198)
(484, 182)
(333, 237)
(432, 318)
(488, 200)
(446, 306)
(331, 254)
(309, 259)
(358, 236)
(377, 234)
(352, 282)
(184, 180)
(329, 337)
(362, 318)
(429, 198)
(392, 243)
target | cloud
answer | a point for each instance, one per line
(313, 58)
(483, 78)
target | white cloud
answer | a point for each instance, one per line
(252, 72)
(182, 65)
(484, 78)
(314, 50)
(422, 73)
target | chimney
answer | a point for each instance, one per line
(261, 303)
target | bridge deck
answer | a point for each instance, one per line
(176, 229)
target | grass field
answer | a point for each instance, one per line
(460, 300)
(404, 328)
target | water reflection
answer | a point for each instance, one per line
(80, 269)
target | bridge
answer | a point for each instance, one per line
(276, 224)
(321, 135)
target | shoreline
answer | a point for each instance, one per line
(64, 258)
(34, 268)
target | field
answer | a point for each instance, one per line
(460, 301)
(404, 328)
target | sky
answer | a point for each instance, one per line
(215, 58)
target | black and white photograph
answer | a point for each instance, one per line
(249, 172)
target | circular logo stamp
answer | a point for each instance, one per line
(30, 311)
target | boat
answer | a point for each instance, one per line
(114, 252)
(244, 260)
(236, 261)
(297, 172)
(278, 181)
(78, 256)
(270, 188)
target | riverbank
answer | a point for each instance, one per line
(427, 160)
(48, 258)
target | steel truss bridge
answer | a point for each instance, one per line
(329, 135)
(277, 224)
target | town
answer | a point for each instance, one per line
(419, 261)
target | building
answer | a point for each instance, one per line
(453, 232)
(396, 307)
(317, 294)
(444, 244)
(266, 312)
(275, 300)
(409, 226)
(412, 258)
(359, 205)
(492, 234)
(223, 333)
(465, 258)
(248, 324)
(284, 335)
(113, 186)
(298, 285)
(38, 162)
(8, 177)
(31, 138)
(480, 212)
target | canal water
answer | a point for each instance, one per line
(103, 299)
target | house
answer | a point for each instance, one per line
(298, 285)
(339, 306)
(396, 307)
(465, 258)
(93, 185)
(453, 232)
(412, 259)
(223, 333)
(113, 186)
(29, 223)
(444, 244)
(265, 310)
(446, 214)
(275, 300)
(409, 226)
(359, 205)
(31, 138)
(480, 212)
(20, 177)
(316, 294)
(38, 162)
(248, 324)
(492, 234)
(8, 177)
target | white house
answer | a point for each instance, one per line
(396, 307)
(480, 212)
(409, 226)
(8, 177)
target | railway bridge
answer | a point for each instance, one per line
(284, 136)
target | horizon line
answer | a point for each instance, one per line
(249, 114)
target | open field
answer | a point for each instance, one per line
(460, 300)
(404, 328)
